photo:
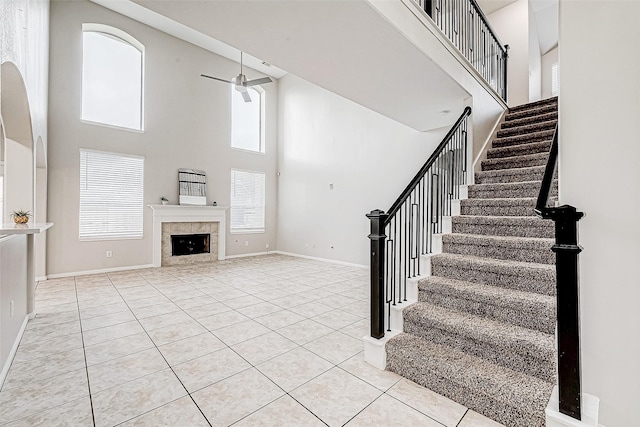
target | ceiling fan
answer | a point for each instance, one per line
(241, 83)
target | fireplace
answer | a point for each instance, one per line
(189, 244)
(185, 222)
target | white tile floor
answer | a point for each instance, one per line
(261, 341)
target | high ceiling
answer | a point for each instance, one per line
(370, 63)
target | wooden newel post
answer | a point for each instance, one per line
(566, 249)
(378, 242)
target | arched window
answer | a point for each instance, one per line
(247, 120)
(112, 77)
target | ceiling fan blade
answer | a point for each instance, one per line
(215, 78)
(258, 81)
(245, 96)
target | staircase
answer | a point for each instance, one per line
(482, 331)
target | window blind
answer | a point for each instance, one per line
(111, 195)
(554, 79)
(247, 201)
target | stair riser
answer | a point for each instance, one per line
(543, 230)
(515, 162)
(527, 316)
(520, 130)
(511, 191)
(497, 210)
(534, 105)
(541, 255)
(534, 118)
(552, 108)
(509, 176)
(479, 393)
(523, 139)
(519, 150)
(540, 281)
(507, 356)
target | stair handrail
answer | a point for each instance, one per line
(541, 208)
(450, 17)
(411, 222)
(566, 248)
(432, 158)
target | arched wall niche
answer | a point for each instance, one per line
(19, 159)
(40, 208)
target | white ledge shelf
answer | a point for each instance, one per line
(28, 228)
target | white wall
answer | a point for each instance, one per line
(599, 174)
(548, 60)
(535, 60)
(326, 139)
(511, 23)
(187, 124)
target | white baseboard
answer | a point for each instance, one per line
(102, 270)
(12, 353)
(249, 255)
(332, 261)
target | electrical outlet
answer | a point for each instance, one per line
(12, 308)
(267, 246)
(109, 254)
(246, 243)
(306, 245)
(330, 186)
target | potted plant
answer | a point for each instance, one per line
(164, 200)
(20, 217)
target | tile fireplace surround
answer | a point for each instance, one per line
(193, 217)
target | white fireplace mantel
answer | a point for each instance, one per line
(181, 213)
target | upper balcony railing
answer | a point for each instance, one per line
(464, 24)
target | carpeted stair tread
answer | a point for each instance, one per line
(506, 190)
(543, 135)
(527, 309)
(509, 397)
(519, 150)
(534, 105)
(498, 207)
(535, 111)
(528, 160)
(521, 349)
(523, 249)
(524, 276)
(533, 173)
(532, 127)
(513, 122)
(518, 226)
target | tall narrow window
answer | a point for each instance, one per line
(111, 196)
(112, 76)
(247, 202)
(247, 118)
(554, 79)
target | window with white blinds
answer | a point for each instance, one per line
(111, 196)
(247, 201)
(554, 79)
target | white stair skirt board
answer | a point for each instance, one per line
(446, 225)
(374, 350)
(455, 207)
(590, 409)
(14, 349)
(464, 192)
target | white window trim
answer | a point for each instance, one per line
(263, 139)
(262, 231)
(116, 32)
(112, 238)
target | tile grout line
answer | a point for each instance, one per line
(84, 353)
(162, 355)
